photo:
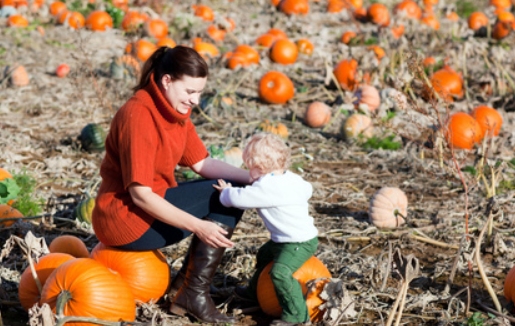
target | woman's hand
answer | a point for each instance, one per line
(213, 235)
(222, 185)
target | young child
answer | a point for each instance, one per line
(281, 200)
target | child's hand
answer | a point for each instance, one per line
(222, 185)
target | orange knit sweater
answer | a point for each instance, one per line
(146, 141)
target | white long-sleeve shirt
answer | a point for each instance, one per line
(281, 201)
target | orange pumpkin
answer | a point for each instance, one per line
(205, 49)
(489, 119)
(335, 6)
(509, 288)
(90, 290)
(277, 128)
(276, 88)
(317, 115)
(75, 20)
(99, 20)
(266, 40)
(501, 29)
(7, 211)
(166, 41)
(501, 4)
(62, 70)
(146, 272)
(313, 300)
(378, 14)
(388, 207)
(409, 9)
(348, 36)
(430, 20)
(345, 73)
(378, 51)
(294, 7)
(133, 20)
(452, 16)
(156, 28)
(305, 46)
(204, 12)
(215, 33)
(69, 244)
(312, 269)
(462, 131)
(4, 174)
(284, 51)
(236, 60)
(368, 95)
(251, 54)
(141, 49)
(28, 291)
(397, 31)
(477, 20)
(17, 20)
(277, 32)
(56, 7)
(446, 83)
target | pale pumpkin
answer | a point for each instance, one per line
(317, 114)
(367, 95)
(358, 125)
(388, 207)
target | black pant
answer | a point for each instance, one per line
(198, 198)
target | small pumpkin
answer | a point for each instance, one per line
(358, 125)
(125, 67)
(9, 212)
(509, 288)
(69, 244)
(166, 41)
(462, 131)
(62, 70)
(84, 209)
(204, 12)
(312, 269)
(501, 29)
(317, 115)
(277, 128)
(28, 291)
(99, 20)
(367, 95)
(215, 33)
(345, 73)
(56, 7)
(4, 174)
(92, 137)
(233, 156)
(489, 119)
(17, 20)
(313, 300)
(156, 28)
(18, 75)
(250, 54)
(447, 83)
(294, 7)
(348, 36)
(305, 46)
(409, 9)
(430, 19)
(74, 20)
(146, 272)
(133, 20)
(205, 49)
(378, 14)
(90, 289)
(284, 51)
(276, 88)
(477, 20)
(388, 207)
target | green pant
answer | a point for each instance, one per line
(287, 258)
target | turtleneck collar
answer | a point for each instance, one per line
(162, 104)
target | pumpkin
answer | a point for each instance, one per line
(388, 207)
(397, 31)
(462, 131)
(367, 95)
(251, 54)
(84, 209)
(305, 46)
(74, 20)
(452, 16)
(18, 75)
(56, 7)
(276, 128)
(447, 83)
(133, 20)
(236, 60)
(215, 33)
(233, 156)
(335, 6)
(378, 14)
(92, 137)
(205, 49)
(146, 272)
(501, 29)
(501, 4)
(4, 174)
(62, 70)
(430, 19)
(348, 36)
(7, 211)
(378, 51)
(489, 119)
(125, 66)
(477, 20)
(506, 16)
(278, 33)
(266, 40)
(28, 291)
(90, 290)
(345, 73)
(17, 20)
(317, 115)
(294, 7)
(141, 49)
(358, 125)
(166, 41)
(312, 269)
(204, 12)
(509, 288)
(156, 28)
(99, 20)
(276, 88)
(284, 51)
(69, 244)
(409, 9)
(313, 300)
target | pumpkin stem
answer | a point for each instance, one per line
(62, 300)
(396, 213)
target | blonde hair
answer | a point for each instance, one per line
(266, 152)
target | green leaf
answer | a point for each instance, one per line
(9, 190)
(116, 14)
(387, 143)
(469, 169)
(216, 152)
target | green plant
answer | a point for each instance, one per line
(26, 202)
(386, 142)
(464, 8)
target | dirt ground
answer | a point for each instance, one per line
(40, 123)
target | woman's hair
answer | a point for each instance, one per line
(176, 62)
(266, 152)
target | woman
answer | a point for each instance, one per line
(140, 206)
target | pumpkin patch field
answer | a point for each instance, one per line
(400, 113)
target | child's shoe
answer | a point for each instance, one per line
(242, 293)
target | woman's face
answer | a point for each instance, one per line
(183, 93)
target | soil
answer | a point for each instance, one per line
(448, 206)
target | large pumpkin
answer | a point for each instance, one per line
(146, 272)
(69, 244)
(462, 131)
(28, 291)
(387, 207)
(312, 269)
(276, 88)
(92, 290)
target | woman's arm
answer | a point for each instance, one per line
(159, 208)
(211, 168)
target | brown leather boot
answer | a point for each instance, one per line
(178, 280)
(193, 297)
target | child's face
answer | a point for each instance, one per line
(255, 173)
